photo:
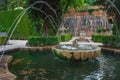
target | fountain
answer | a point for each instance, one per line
(77, 51)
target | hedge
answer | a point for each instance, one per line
(3, 40)
(41, 41)
(98, 38)
(24, 28)
(107, 40)
(66, 37)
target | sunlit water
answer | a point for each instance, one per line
(45, 66)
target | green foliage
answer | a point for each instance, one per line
(114, 29)
(12, 4)
(79, 5)
(100, 29)
(76, 4)
(66, 37)
(90, 2)
(3, 40)
(41, 41)
(97, 38)
(90, 11)
(112, 41)
(107, 40)
(24, 28)
(44, 13)
(2, 29)
(59, 6)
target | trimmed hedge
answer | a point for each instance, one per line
(107, 40)
(24, 28)
(41, 41)
(98, 38)
(3, 40)
(66, 37)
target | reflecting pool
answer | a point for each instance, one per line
(45, 66)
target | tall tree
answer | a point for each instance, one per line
(45, 14)
(76, 4)
(59, 6)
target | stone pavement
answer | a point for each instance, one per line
(13, 44)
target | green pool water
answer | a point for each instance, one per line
(45, 66)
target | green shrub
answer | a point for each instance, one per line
(3, 40)
(99, 29)
(91, 10)
(41, 41)
(116, 42)
(66, 37)
(107, 40)
(24, 28)
(35, 40)
(97, 37)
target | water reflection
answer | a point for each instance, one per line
(47, 67)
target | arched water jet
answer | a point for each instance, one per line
(11, 35)
(112, 4)
(31, 6)
(43, 2)
(18, 19)
(47, 16)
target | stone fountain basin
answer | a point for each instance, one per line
(81, 55)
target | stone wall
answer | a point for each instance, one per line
(86, 22)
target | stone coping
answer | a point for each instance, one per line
(28, 49)
(81, 55)
(4, 71)
(37, 48)
(110, 49)
(78, 50)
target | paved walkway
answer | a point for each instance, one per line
(14, 44)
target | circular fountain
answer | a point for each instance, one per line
(77, 51)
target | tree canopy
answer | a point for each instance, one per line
(45, 15)
(76, 4)
(40, 17)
